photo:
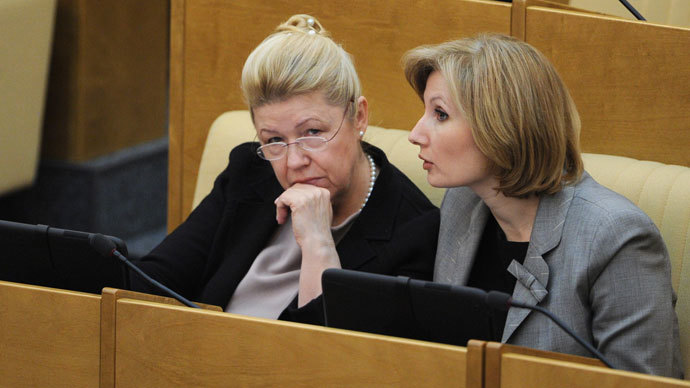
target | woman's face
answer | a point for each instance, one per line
(451, 157)
(310, 115)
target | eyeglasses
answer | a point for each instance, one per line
(275, 151)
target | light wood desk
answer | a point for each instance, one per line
(164, 345)
(510, 366)
(48, 337)
(56, 338)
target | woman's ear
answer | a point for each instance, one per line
(362, 116)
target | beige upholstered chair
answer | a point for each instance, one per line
(26, 28)
(662, 191)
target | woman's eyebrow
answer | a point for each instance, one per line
(299, 124)
(262, 130)
(306, 120)
(438, 97)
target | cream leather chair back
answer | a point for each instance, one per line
(663, 192)
(26, 30)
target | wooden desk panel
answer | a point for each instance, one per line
(630, 81)
(108, 77)
(495, 353)
(162, 345)
(522, 371)
(48, 337)
(109, 299)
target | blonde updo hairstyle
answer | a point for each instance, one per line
(299, 57)
(521, 114)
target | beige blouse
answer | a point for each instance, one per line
(272, 282)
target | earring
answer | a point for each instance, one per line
(361, 133)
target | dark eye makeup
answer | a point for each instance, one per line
(440, 114)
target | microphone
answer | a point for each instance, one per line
(502, 301)
(106, 248)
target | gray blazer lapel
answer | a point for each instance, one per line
(530, 288)
(459, 235)
(533, 276)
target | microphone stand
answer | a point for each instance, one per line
(105, 247)
(563, 326)
(153, 281)
(502, 301)
(632, 10)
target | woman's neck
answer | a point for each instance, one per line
(353, 200)
(514, 215)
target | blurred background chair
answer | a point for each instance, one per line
(93, 157)
(26, 28)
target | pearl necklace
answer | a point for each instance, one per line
(372, 179)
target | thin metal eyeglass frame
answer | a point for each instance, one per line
(299, 140)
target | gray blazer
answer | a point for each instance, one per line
(594, 259)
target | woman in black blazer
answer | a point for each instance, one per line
(310, 195)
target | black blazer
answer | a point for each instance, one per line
(207, 256)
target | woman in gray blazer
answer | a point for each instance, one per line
(521, 215)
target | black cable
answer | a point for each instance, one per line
(170, 292)
(563, 326)
(632, 10)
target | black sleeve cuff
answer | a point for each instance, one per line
(311, 313)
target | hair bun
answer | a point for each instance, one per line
(303, 23)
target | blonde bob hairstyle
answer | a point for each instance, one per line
(521, 114)
(299, 57)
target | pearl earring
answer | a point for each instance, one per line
(361, 133)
